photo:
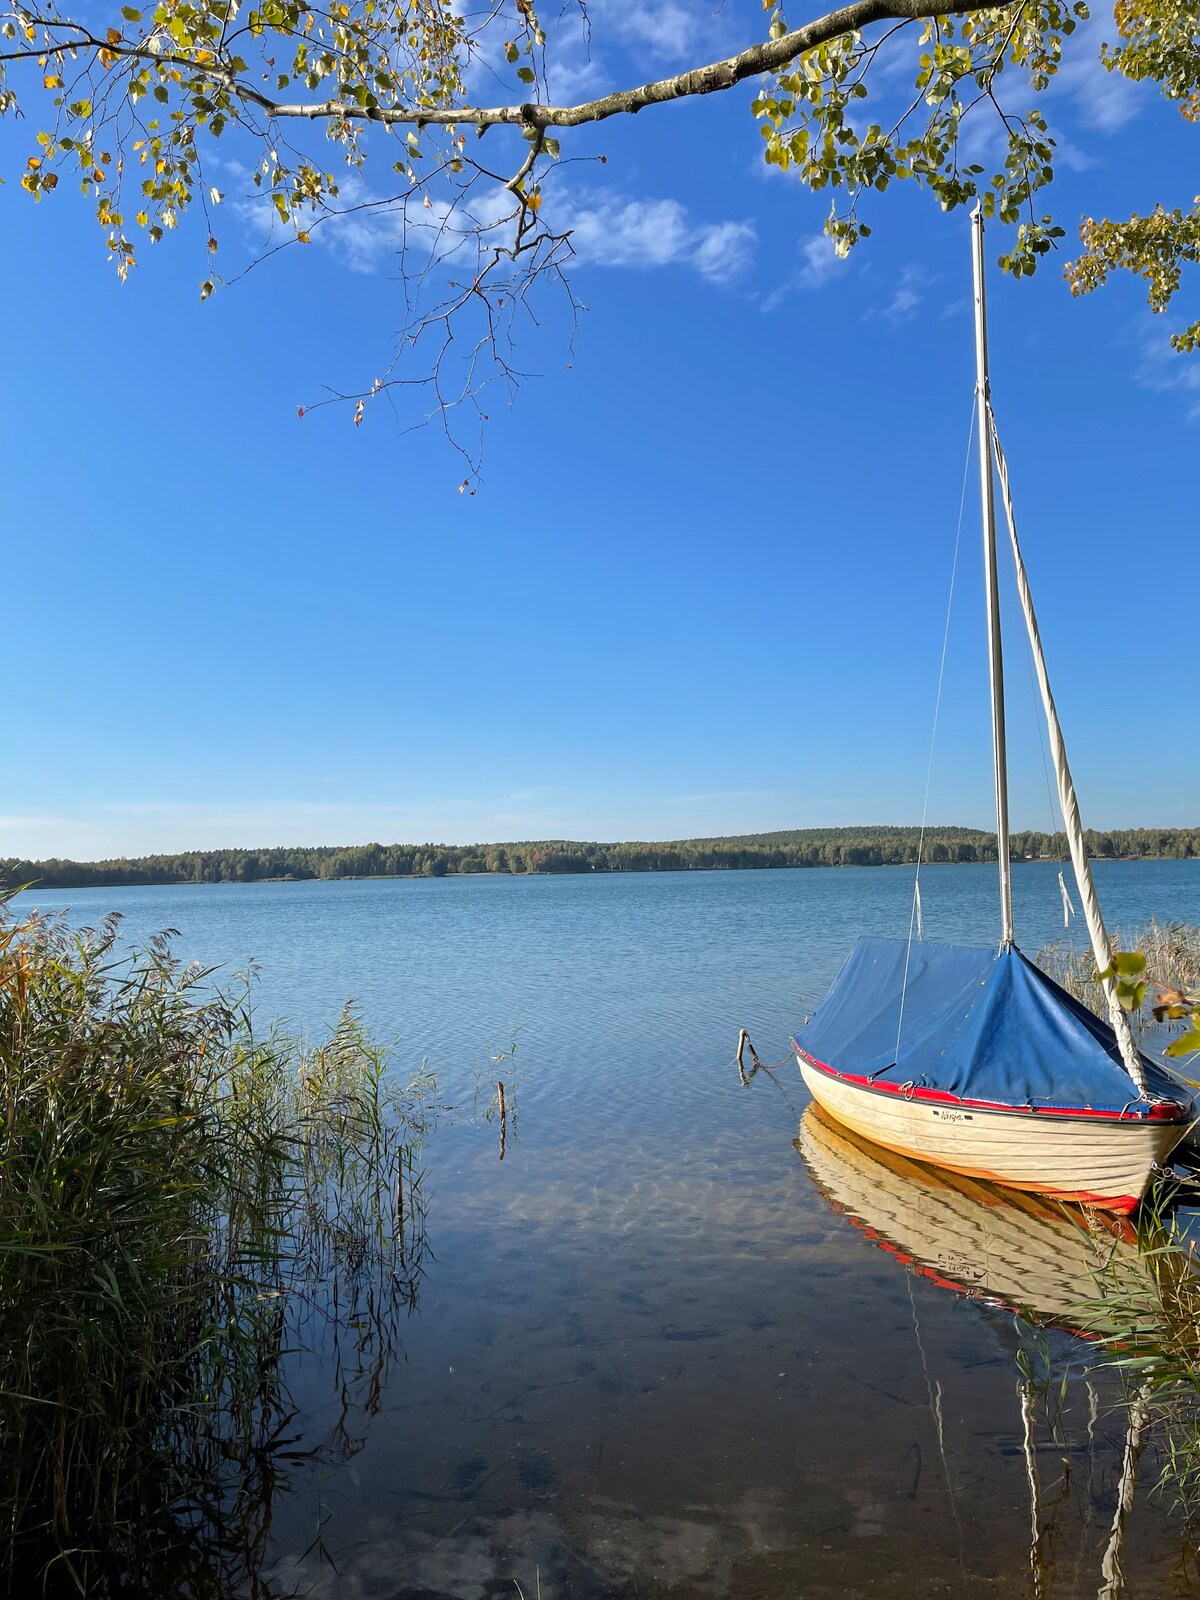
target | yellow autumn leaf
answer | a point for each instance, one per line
(52, 81)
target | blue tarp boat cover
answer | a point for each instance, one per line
(984, 1024)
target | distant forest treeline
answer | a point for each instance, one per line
(801, 847)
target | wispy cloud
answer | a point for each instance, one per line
(1102, 101)
(906, 295)
(819, 264)
(664, 26)
(625, 41)
(615, 232)
(606, 230)
(1166, 371)
(366, 228)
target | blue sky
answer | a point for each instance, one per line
(702, 586)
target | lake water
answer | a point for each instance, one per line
(663, 1346)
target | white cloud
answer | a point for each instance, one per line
(819, 265)
(665, 26)
(819, 262)
(366, 228)
(657, 233)
(622, 42)
(574, 75)
(1167, 371)
(907, 294)
(1103, 101)
(685, 32)
(724, 250)
(611, 230)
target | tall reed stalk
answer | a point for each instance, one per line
(183, 1204)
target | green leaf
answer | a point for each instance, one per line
(1128, 963)
(1186, 1044)
(130, 14)
(525, 74)
(1130, 994)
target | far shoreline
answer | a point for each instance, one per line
(35, 885)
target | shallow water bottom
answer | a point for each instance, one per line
(714, 1388)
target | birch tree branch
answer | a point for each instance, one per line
(768, 56)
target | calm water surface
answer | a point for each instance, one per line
(664, 1346)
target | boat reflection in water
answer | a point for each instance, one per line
(1037, 1256)
(1055, 1265)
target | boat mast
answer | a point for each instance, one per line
(995, 650)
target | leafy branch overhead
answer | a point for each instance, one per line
(158, 110)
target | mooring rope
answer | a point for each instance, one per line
(769, 1067)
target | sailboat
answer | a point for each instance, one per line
(1052, 1265)
(973, 1059)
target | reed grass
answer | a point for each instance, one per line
(1172, 952)
(1151, 1312)
(183, 1204)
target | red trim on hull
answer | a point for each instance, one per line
(944, 1097)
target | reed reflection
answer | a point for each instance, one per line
(1060, 1270)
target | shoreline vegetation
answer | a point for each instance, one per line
(874, 846)
(185, 1204)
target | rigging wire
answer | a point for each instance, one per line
(916, 920)
(1058, 836)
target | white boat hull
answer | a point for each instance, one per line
(1098, 1161)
